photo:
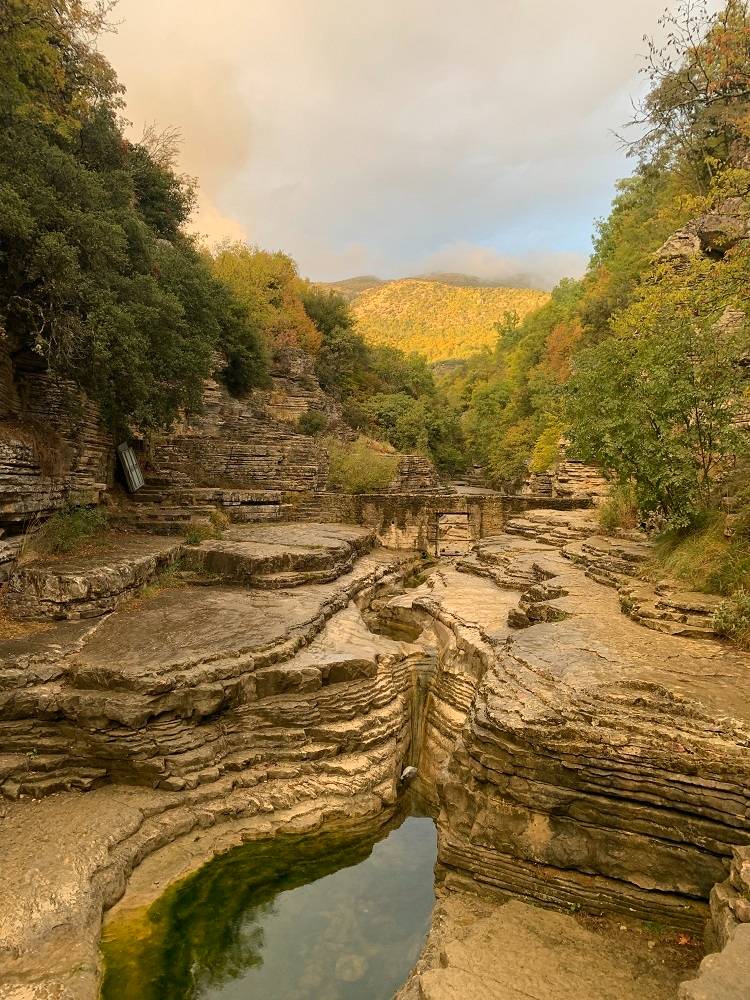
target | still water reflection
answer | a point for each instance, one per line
(294, 919)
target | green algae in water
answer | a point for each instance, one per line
(290, 919)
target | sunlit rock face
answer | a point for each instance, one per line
(205, 678)
(480, 949)
(247, 692)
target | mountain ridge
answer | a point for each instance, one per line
(441, 320)
(351, 287)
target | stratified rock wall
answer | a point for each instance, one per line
(416, 474)
(53, 446)
(571, 479)
(251, 443)
(580, 760)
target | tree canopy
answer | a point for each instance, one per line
(97, 279)
(632, 362)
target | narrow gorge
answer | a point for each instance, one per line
(374, 638)
(282, 684)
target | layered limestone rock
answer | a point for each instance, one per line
(579, 761)
(416, 474)
(240, 444)
(601, 764)
(712, 234)
(53, 446)
(280, 556)
(570, 479)
(209, 703)
(146, 695)
(87, 586)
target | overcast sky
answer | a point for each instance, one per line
(393, 137)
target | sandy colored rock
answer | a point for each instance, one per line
(580, 761)
(515, 952)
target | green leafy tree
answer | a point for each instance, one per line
(97, 280)
(657, 402)
(696, 110)
(268, 286)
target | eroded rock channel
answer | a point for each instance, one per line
(587, 774)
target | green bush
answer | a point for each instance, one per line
(732, 618)
(198, 533)
(357, 467)
(217, 522)
(68, 529)
(311, 423)
(619, 510)
(704, 557)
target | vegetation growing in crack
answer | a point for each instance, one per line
(68, 530)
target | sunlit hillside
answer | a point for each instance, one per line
(350, 288)
(438, 320)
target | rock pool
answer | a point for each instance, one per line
(290, 919)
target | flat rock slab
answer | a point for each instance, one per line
(522, 952)
(88, 585)
(299, 534)
(280, 555)
(149, 643)
(600, 646)
(279, 544)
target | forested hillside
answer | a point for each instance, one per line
(101, 285)
(436, 319)
(350, 288)
(97, 278)
(642, 363)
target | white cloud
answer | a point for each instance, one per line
(368, 137)
(538, 269)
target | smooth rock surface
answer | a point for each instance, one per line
(519, 952)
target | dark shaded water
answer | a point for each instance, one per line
(294, 919)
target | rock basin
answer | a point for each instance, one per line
(330, 916)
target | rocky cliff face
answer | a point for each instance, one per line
(571, 764)
(571, 479)
(53, 446)
(251, 443)
(234, 454)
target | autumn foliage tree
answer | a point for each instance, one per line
(629, 361)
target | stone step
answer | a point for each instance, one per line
(72, 588)
(161, 519)
(280, 581)
(692, 602)
(652, 611)
(675, 628)
(38, 786)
